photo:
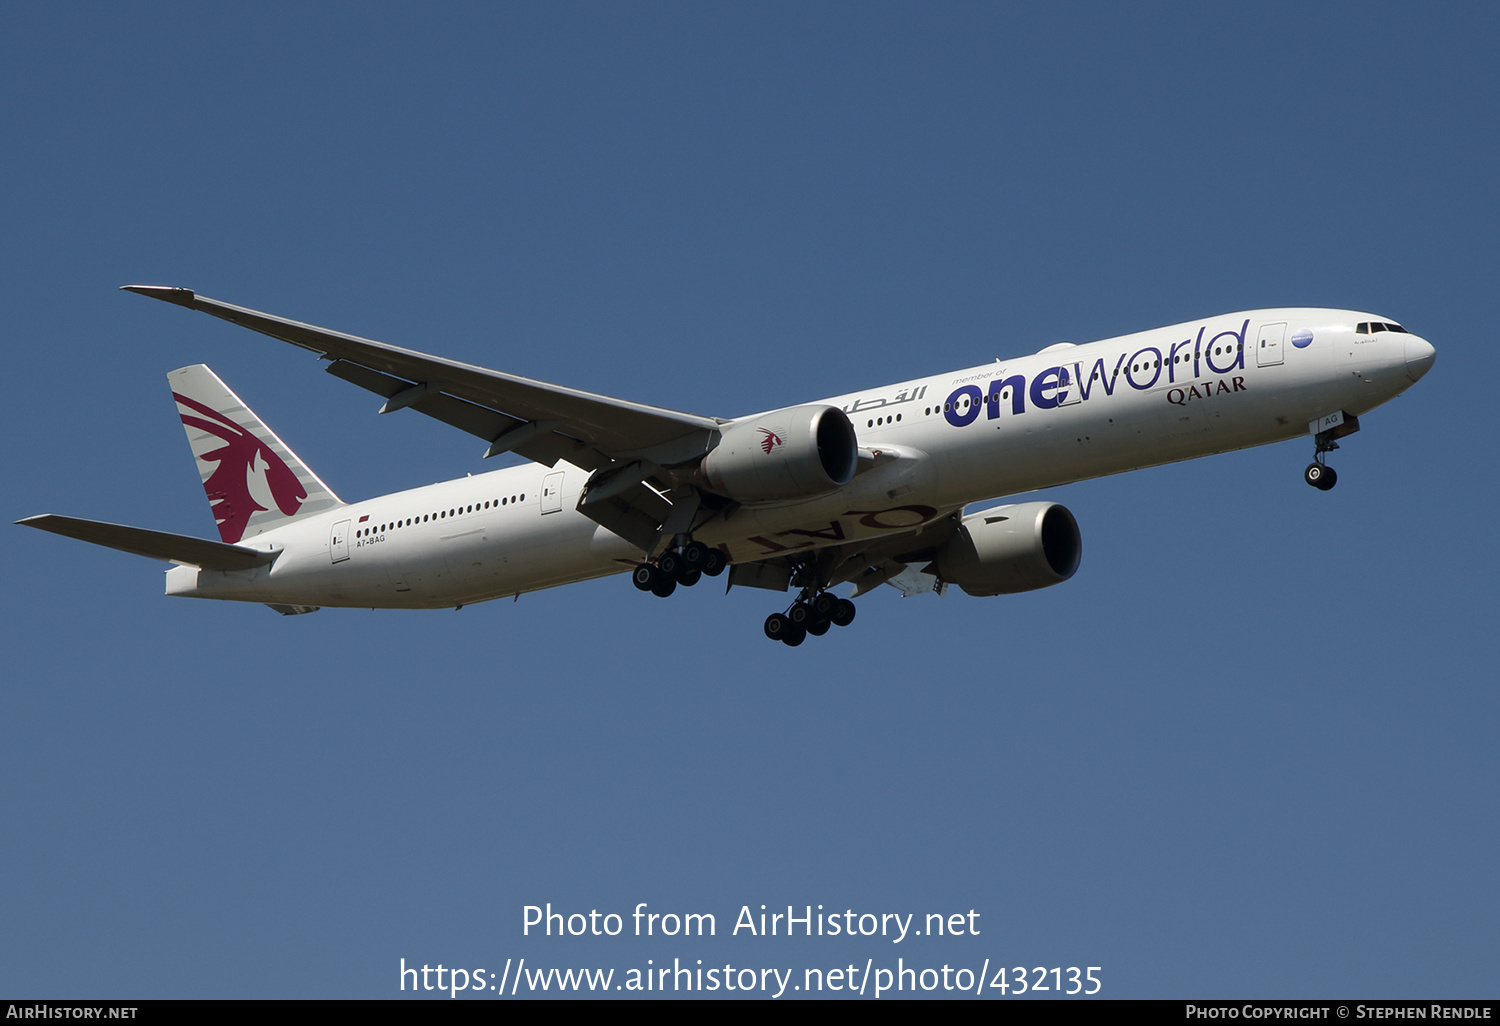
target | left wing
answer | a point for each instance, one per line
(540, 421)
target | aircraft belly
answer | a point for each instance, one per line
(891, 497)
(507, 559)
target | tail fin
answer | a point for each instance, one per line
(254, 482)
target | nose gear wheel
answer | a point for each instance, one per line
(1320, 476)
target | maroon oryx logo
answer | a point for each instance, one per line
(771, 441)
(242, 455)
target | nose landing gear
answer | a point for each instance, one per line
(1326, 432)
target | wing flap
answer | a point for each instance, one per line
(476, 420)
(174, 548)
(545, 447)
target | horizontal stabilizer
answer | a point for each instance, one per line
(175, 548)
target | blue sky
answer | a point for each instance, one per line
(1248, 750)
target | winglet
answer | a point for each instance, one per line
(166, 293)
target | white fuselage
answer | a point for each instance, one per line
(942, 442)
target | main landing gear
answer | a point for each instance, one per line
(685, 566)
(813, 613)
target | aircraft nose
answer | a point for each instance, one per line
(1419, 357)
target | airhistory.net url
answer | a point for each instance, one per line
(851, 980)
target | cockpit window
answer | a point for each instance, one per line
(1370, 327)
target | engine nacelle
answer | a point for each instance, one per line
(789, 454)
(1012, 548)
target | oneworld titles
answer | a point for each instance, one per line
(806, 921)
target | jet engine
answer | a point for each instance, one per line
(1012, 548)
(789, 454)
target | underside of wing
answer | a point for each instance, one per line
(174, 548)
(904, 561)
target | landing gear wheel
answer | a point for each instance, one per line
(688, 578)
(645, 577)
(714, 563)
(1320, 477)
(695, 555)
(843, 613)
(664, 587)
(800, 615)
(823, 605)
(670, 562)
(795, 636)
(777, 626)
(818, 628)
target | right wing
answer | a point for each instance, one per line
(903, 561)
(174, 548)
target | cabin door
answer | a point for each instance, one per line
(1268, 347)
(552, 493)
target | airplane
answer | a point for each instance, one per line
(862, 489)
